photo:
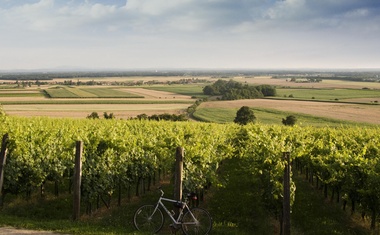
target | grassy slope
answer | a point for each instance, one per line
(266, 116)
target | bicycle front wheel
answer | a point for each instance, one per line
(146, 219)
(196, 221)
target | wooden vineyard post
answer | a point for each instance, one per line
(3, 158)
(178, 174)
(77, 179)
(286, 203)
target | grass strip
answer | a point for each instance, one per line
(236, 206)
(313, 215)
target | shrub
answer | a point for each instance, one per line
(289, 121)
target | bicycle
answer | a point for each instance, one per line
(150, 218)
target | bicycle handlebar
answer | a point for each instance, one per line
(190, 195)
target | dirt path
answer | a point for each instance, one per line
(16, 231)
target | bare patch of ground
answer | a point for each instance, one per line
(349, 112)
(15, 231)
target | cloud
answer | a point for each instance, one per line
(157, 7)
(31, 16)
(162, 16)
(188, 32)
(322, 13)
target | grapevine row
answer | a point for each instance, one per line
(118, 152)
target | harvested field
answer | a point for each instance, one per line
(153, 94)
(81, 111)
(19, 92)
(282, 82)
(20, 98)
(349, 112)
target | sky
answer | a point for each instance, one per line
(185, 34)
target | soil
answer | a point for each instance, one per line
(16, 231)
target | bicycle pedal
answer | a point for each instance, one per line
(174, 227)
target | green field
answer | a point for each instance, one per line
(190, 90)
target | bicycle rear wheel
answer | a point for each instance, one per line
(196, 221)
(145, 221)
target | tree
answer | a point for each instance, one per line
(108, 116)
(210, 90)
(142, 116)
(93, 115)
(289, 121)
(244, 116)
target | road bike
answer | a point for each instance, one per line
(150, 218)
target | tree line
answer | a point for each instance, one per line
(232, 90)
(154, 117)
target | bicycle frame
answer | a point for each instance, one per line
(175, 221)
(150, 218)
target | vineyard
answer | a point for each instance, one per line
(119, 154)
